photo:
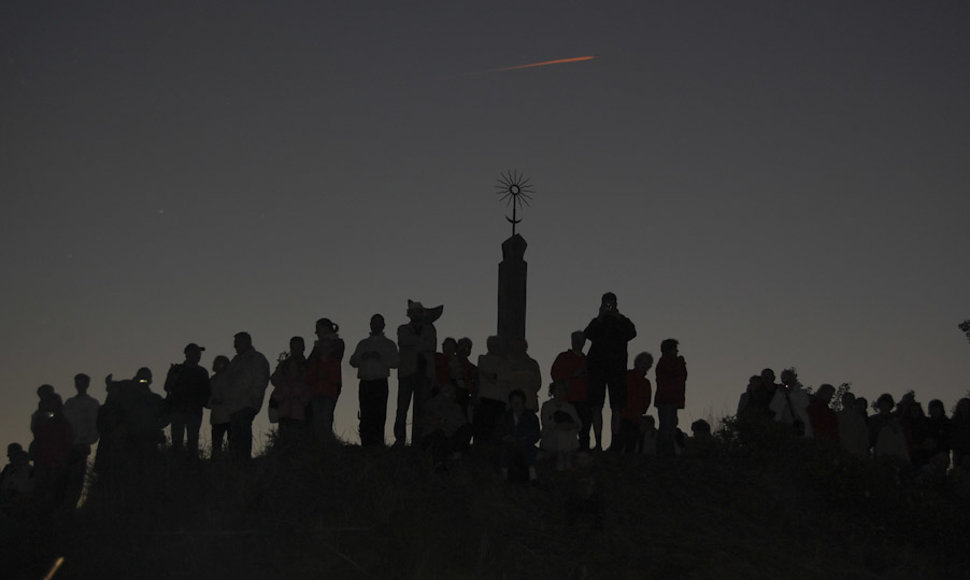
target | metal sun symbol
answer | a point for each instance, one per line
(515, 189)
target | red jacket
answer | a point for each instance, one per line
(671, 381)
(324, 376)
(564, 369)
(469, 373)
(638, 394)
(825, 423)
(442, 368)
(52, 443)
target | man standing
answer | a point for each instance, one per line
(81, 412)
(130, 423)
(187, 388)
(417, 341)
(248, 376)
(570, 368)
(671, 389)
(374, 358)
(608, 335)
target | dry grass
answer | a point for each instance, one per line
(779, 510)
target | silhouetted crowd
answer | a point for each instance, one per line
(917, 444)
(457, 407)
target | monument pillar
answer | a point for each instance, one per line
(512, 271)
(514, 189)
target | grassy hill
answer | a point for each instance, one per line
(784, 509)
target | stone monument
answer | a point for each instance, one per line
(515, 189)
(512, 272)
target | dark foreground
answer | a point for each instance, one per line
(787, 509)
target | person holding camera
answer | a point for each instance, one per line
(608, 335)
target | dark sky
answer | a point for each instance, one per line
(774, 183)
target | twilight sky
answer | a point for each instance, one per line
(774, 183)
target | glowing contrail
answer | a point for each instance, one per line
(545, 63)
(54, 568)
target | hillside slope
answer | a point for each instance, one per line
(792, 510)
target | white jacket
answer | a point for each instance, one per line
(248, 376)
(372, 369)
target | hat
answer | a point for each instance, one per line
(430, 314)
(193, 346)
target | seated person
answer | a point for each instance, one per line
(17, 478)
(560, 426)
(518, 432)
(701, 442)
(446, 431)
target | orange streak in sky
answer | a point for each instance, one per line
(546, 63)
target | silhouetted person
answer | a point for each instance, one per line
(560, 426)
(701, 442)
(700, 428)
(862, 405)
(648, 444)
(884, 407)
(790, 404)
(416, 342)
(493, 392)
(524, 373)
(639, 393)
(960, 432)
(51, 449)
(891, 444)
(374, 358)
(744, 403)
(608, 335)
(188, 390)
(16, 480)
(446, 431)
(938, 431)
(39, 415)
(518, 430)
(914, 424)
(887, 433)
(671, 377)
(469, 374)
(325, 379)
(853, 431)
(219, 402)
(447, 368)
(81, 412)
(248, 377)
(450, 368)
(130, 423)
(570, 367)
(754, 402)
(767, 393)
(290, 394)
(825, 423)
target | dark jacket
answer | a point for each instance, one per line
(526, 432)
(136, 410)
(608, 336)
(671, 381)
(187, 387)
